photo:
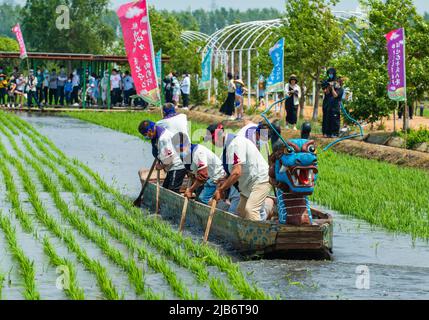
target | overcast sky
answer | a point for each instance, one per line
(422, 5)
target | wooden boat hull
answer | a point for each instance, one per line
(267, 239)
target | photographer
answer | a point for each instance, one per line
(331, 105)
(292, 102)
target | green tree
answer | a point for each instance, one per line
(8, 44)
(87, 34)
(9, 16)
(366, 66)
(313, 37)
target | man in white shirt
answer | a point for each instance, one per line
(115, 87)
(168, 158)
(246, 169)
(205, 166)
(173, 121)
(185, 87)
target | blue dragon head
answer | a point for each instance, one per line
(293, 168)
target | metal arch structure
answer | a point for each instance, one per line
(246, 37)
(194, 36)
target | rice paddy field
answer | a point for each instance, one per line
(66, 234)
(393, 197)
(68, 229)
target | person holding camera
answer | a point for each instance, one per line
(293, 91)
(332, 105)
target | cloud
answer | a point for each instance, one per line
(133, 12)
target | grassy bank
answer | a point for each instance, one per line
(386, 195)
(126, 122)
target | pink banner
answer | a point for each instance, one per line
(134, 18)
(22, 50)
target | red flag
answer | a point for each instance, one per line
(23, 51)
(134, 18)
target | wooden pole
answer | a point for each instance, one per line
(139, 199)
(394, 117)
(210, 220)
(185, 209)
(158, 186)
(108, 94)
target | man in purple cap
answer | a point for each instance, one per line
(163, 150)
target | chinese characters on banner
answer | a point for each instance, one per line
(275, 82)
(396, 66)
(206, 76)
(22, 50)
(134, 18)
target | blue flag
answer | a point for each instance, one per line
(206, 76)
(275, 82)
(158, 65)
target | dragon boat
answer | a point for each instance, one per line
(301, 232)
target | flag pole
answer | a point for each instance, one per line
(406, 113)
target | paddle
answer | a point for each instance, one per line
(138, 201)
(185, 209)
(210, 220)
(158, 185)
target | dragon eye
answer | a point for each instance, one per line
(312, 149)
(289, 150)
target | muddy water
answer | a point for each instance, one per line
(395, 266)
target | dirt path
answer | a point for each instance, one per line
(415, 123)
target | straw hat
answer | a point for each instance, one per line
(293, 77)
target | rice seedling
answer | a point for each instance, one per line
(2, 279)
(135, 274)
(72, 290)
(159, 265)
(103, 280)
(177, 253)
(26, 266)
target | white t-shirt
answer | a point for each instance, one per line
(115, 80)
(176, 124)
(166, 150)
(289, 87)
(204, 158)
(186, 85)
(254, 167)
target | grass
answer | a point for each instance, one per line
(383, 194)
(157, 234)
(128, 122)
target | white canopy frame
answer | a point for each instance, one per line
(233, 40)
